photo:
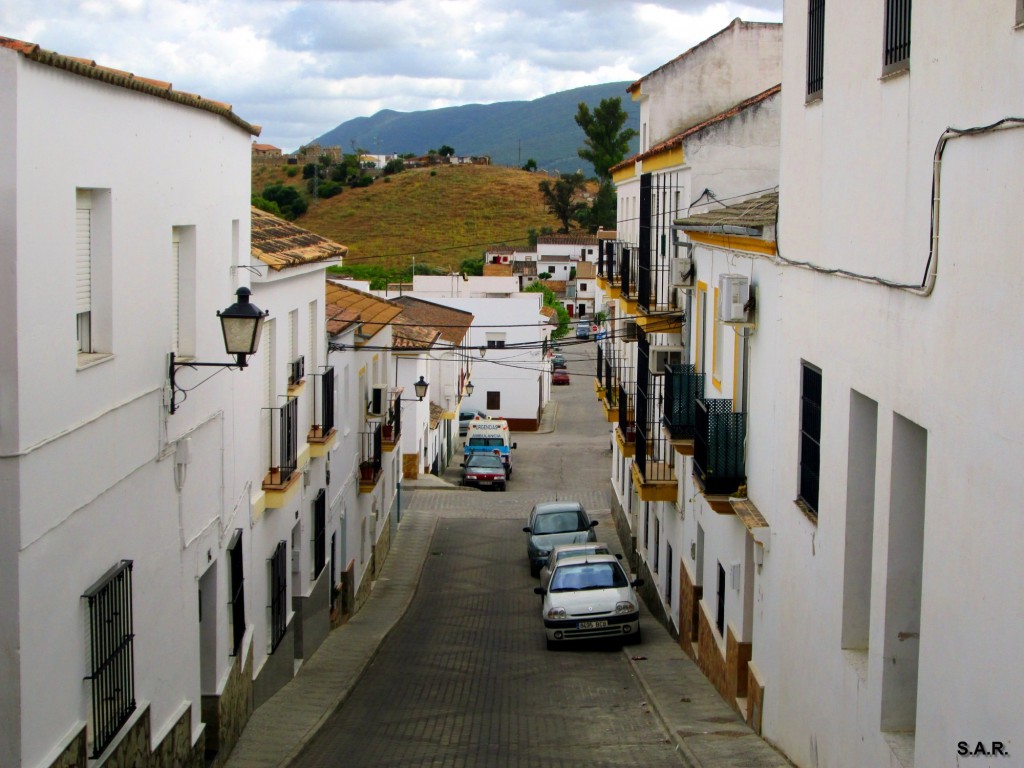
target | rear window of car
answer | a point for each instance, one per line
(569, 578)
(559, 522)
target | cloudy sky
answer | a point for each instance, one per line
(300, 67)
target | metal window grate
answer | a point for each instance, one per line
(718, 445)
(237, 591)
(111, 654)
(815, 47)
(810, 437)
(319, 532)
(278, 595)
(897, 35)
(289, 437)
(327, 399)
(297, 370)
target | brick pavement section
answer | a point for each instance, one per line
(465, 680)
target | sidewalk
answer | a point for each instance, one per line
(706, 731)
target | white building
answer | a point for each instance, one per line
(117, 513)
(365, 463)
(886, 456)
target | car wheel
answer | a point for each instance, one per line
(552, 644)
(504, 487)
(633, 639)
(534, 571)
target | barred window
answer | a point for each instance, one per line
(815, 48)
(810, 437)
(897, 36)
(237, 592)
(111, 654)
(319, 532)
(278, 594)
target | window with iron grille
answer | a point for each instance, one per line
(897, 36)
(236, 590)
(297, 370)
(319, 532)
(289, 437)
(327, 400)
(278, 586)
(494, 401)
(810, 437)
(111, 654)
(815, 48)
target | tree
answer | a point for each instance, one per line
(445, 151)
(395, 165)
(606, 143)
(292, 203)
(560, 198)
(551, 300)
(530, 165)
(601, 212)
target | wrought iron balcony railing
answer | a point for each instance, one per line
(627, 412)
(683, 387)
(370, 454)
(718, 456)
(655, 456)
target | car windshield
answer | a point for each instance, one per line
(487, 441)
(581, 551)
(571, 578)
(484, 461)
(559, 522)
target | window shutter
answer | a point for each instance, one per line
(83, 259)
(175, 289)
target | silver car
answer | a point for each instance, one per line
(568, 550)
(556, 522)
(590, 597)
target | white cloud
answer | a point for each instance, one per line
(301, 67)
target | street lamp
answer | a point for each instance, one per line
(421, 388)
(242, 324)
(469, 388)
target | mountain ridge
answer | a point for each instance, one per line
(509, 132)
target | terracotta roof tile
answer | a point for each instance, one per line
(586, 269)
(120, 78)
(573, 238)
(346, 307)
(497, 270)
(451, 324)
(280, 244)
(756, 212)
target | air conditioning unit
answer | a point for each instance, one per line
(733, 292)
(377, 401)
(681, 271)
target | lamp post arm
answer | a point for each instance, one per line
(174, 364)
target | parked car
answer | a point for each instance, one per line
(552, 523)
(590, 597)
(467, 416)
(560, 376)
(484, 470)
(569, 550)
(583, 329)
(557, 361)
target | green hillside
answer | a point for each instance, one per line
(509, 132)
(437, 216)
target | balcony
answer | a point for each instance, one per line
(607, 274)
(657, 277)
(683, 386)
(626, 431)
(654, 463)
(282, 478)
(718, 459)
(391, 424)
(370, 455)
(322, 433)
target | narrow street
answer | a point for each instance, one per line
(464, 678)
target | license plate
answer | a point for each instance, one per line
(485, 482)
(592, 624)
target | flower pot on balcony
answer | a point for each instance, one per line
(387, 432)
(366, 471)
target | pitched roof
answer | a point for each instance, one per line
(279, 243)
(573, 238)
(451, 324)
(497, 270)
(551, 314)
(677, 140)
(757, 212)
(346, 307)
(121, 79)
(558, 286)
(586, 269)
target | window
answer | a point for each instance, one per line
(495, 340)
(810, 437)
(583, 287)
(236, 589)
(319, 532)
(111, 654)
(720, 607)
(815, 48)
(83, 270)
(278, 587)
(493, 401)
(897, 36)
(289, 438)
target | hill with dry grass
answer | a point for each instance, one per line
(437, 216)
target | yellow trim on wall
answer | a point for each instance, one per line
(716, 377)
(624, 174)
(662, 160)
(702, 299)
(735, 366)
(734, 242)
